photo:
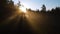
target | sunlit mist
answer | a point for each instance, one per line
(23, 9)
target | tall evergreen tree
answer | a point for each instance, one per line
(43, 8)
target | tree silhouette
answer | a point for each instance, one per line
(43, 8)
(47, 21)
(6, 8)
(18, 4)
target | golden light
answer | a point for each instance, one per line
(23, 9)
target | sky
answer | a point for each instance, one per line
(37, 4)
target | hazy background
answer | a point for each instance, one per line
(36, 4)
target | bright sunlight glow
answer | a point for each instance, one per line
(23, 9)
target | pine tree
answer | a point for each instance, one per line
(43, 8)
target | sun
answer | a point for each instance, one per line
(23, 9)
